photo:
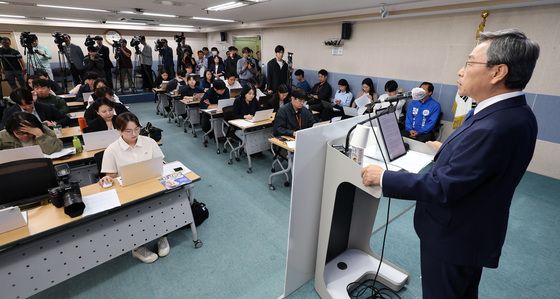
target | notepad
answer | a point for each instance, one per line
(99, 202)
(62, 153)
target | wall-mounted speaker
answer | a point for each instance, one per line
(346, 31)
(223, 36)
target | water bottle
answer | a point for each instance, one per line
(77, 144)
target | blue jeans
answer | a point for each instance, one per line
(11, 77)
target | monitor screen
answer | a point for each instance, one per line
(26, 181)
(391, 135)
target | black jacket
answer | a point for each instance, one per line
(213, 97)
(241, 108)
(276, 75)
(231, 64)
(91, 112)
(96, 66)
(98, 124)
(186, 91)
(45, 112)
(274, 102)
(286, 120)
(323, 91)
(105, 55)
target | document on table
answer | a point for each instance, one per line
(100, 202)
(62, 153)
(242, 123)
(291, 144)
(413, 161)
(362, 101)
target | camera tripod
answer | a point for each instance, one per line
(62, 66)
(136, 66)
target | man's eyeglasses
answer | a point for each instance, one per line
(130, 131)
(472, 63)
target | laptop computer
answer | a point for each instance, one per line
(198, 96)
(234, 92)
(22, 153)
(141, 171)
(225, 103)
(261, 115)
(100, 140)
(87, 95)
(12, 218)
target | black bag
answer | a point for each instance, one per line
(152, 132)
(199, 211)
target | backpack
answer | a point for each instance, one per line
(199, 211)
(152, 132)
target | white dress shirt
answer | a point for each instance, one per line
(119, 153)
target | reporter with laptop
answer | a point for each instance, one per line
(131, 148)
(105, 119)
(24, 129)
(211, 97)
(293, 116)
(245, 106)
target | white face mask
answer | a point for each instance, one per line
(214, 53)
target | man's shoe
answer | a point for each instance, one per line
(163, 246)
(144, 254)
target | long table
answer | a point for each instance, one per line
(54, 247)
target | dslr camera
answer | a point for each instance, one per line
(26, 39)
(67, 194)
(179, 38)
(159, 45)
(90, 42)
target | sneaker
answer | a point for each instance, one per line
(144, 254)
(163, 246)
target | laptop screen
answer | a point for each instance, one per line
(391, 135)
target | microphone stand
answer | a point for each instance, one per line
(390, 109)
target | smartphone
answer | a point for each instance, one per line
(178, 169)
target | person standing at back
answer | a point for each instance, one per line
(103, 52)
(463, 202)
(75, 58)
(146, 62)
(12, 64)
(277, 70)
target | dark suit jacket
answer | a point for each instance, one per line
(463, 202)
(276, 75)
(98, 124)
(91, 112)
(285, 121)
(105, 55)
(45, 112)
(76, 56)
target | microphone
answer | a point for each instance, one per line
(395, 98)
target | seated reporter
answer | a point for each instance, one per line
(293, 116)
(103, 93)
(105, 119)
(24, 129)
(211, 97)
(245, 106)
(280, 98)
(46, 113)
(130, 148)
(191, 88)
(98, 84)
(42, 89)
(87, 86)
(42, 74)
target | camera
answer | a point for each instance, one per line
(135, 41)
(179, 38)
(160, 43)
(59, 40)
(90, 42)
(26, 39)
(69, 196)
(290, 58)
(116, 44)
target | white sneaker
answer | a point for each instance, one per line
(144, 254)
(163, 246)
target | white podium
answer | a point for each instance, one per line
(348, 211)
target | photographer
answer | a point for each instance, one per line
(93, 63)
(12, 64)
(75, 57)
(125, 65)
(277, 70)
(44, 56)
(103, 53)
(246, 67)
(167, 57)
(146, 65)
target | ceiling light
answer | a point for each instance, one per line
(124, 23)
(212, 19)
(158, 15)
(3, 2)
(176, 25)
(70, 20)
(12, 16)
(127, 12)
(226, 6)
(71, 7)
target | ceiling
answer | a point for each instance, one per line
(267, 13)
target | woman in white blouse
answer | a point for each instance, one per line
(343, 96)
(132, 147)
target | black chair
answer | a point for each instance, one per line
(229, 114)
(98, 158)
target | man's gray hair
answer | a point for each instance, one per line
(513, 48)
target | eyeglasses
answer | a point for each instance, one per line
(135, 130)
(20, 133)
(472, 63)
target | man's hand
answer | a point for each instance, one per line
(371, 175)
(207, 102)
(413, 133)
(248, 117)
(49, 123)
(434, 144)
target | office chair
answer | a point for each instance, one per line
(229, 114)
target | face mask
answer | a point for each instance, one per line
(214, 53)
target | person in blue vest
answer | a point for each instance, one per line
(422, 116)
(463, 201)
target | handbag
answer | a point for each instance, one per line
(150, 131)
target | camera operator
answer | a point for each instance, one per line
(93, 63)
(167, 57)
(277, 70)
(75, 57)
(146, 65)
(125, 65)
(12, 64)
(103, 53)
(246, 67)
(44, 56)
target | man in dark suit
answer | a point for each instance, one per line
(104, 53)
(463, 202)
(75, 58)
(46, 113)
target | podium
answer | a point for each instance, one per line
(348, 211)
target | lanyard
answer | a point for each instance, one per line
(298, 119)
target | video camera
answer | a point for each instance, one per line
(116, 44)
(160, 43)
(90, 42)
(26, 39)
(135, 41)
(59, 40)
(179, 38)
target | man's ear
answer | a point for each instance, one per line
(499, 73)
